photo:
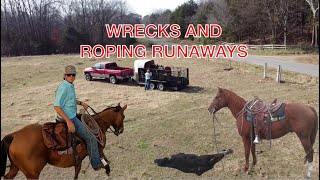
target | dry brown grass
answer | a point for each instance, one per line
(160, 124)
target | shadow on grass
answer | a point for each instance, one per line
(119, 83)
(191, 163)
(192, 89)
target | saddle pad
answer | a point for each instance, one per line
(279, 114)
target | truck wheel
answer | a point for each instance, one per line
(160, 86)
(113, 79)
(152, 86)
(88, 77)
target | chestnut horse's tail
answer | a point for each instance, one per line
(315, 127)
(5, 143)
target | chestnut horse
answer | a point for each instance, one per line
(299, 118)
(28, 153)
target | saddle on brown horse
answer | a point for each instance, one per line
(56, 135)
(262, 115)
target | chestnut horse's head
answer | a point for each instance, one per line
(218, 102)
(114, 117)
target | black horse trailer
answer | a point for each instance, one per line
(175, 78)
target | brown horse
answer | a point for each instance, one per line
(299, 118)
(28, 153)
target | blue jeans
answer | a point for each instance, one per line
(92, 145)
(147, 84)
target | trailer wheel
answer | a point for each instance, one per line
(152, 86)
(88, 77)
(160, 86)
(113, 79)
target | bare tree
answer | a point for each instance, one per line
(314, 9)
(270, 6)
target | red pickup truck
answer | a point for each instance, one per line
(108, 70)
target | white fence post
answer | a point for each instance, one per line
(280, 72)
(265, 71)
(278, 79)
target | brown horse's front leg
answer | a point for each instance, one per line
(246, 143)
(106, 164)
(253, 152)
(77, 168)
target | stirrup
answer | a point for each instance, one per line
(256, 140)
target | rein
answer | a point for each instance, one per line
(214, 133)
(251, 104)
(94, 112)
(246, 108)
(95, 130)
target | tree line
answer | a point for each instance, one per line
(285, 22)
(30, 27)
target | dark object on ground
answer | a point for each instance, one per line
(191, 163)
(228, 69)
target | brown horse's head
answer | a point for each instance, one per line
(114, 117)
(218, 102)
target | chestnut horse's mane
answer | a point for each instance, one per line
(233, 98)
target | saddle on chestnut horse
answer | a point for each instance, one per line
(262, 115)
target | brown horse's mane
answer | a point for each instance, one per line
(233, 99)
(109, 108)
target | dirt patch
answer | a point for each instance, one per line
(161, 123)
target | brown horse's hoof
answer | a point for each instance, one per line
(245, 168)
(107, 167)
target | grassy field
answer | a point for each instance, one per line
(159, 124)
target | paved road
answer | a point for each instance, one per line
(309, 69)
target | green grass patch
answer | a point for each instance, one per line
(142, 144)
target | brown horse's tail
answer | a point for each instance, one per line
(5, 143)
(315, 127)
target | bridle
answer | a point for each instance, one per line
(112, 130)
(215, 108)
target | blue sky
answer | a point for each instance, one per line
(144, 7)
